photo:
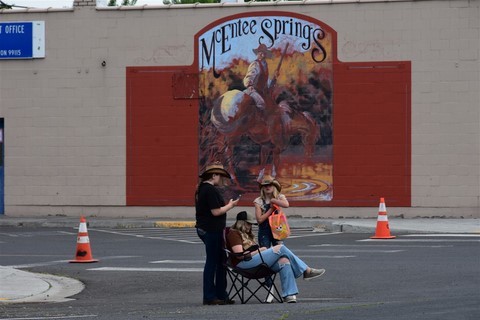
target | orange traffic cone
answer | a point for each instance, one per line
(84, 254)
(383, 230)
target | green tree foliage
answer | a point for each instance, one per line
(4, 5)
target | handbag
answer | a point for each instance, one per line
(279, 224)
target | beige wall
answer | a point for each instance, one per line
(65, 114)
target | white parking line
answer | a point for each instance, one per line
(347, 250)
(466, 235)
(38, 264)
(170, 239)
(421, 240)
(68, 233)
(189, 235)
(9, 234)
(327, 257)
(166, 234)
(312, 234)
(54, 317)
(179, 261)
(32, 255)
(51, 263)
(380, 245)
(148, 269)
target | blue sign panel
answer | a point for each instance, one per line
(21, 40)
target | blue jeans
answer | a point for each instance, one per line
(266, 239)
(214, 273)
(288, 271)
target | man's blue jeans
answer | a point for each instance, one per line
(288, 271)
(214, 273)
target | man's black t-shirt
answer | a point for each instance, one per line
(209, 198)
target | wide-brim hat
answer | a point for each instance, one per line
(263, 48)
(217, 168)
(268, 180)
(245, 216)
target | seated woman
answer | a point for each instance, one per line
(279, 258)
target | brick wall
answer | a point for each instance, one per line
(65, 115)
(85, 3)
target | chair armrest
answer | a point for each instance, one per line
(246, 255)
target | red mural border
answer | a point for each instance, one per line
(371, 121)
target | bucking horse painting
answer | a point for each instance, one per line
(260, 122)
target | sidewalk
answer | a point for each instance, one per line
(413, 225)
(20, 286)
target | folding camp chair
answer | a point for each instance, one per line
(251, 283)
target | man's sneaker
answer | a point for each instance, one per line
(290, 299)
(314, 273)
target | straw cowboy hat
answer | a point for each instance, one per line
(268, 180)
(263, 48)
(217, 168)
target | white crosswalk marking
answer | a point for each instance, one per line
(148, 269)
(421, 240)
(447, 235)
(23, 234)
(56, 262)
(200, 264)
(325, 257)
(189, 235)
(352, 250)
(55, 317)
(348, 250)
(178, 261)
(380, 245)
(184, 235)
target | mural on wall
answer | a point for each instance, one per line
(266, 103)
(265, 94)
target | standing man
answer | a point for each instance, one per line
(210, 214)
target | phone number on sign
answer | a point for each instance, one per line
(10, 52)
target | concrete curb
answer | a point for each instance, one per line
(20, 286)
(397, 225)
(174, 224)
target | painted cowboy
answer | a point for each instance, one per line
(256, 80)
